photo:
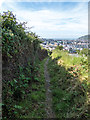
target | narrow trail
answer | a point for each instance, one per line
(49, 111)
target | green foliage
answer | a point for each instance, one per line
(19, 56)
(34, 104)
(70, 85)
(78, 51)
(85, 51)
(59, 47)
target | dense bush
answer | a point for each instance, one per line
(20, 51)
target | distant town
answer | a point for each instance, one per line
(69, 45)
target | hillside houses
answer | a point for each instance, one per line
(67, 44)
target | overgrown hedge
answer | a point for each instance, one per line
(20, 53)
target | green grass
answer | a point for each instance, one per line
(33, 106)
(68, 60)
(69, 92)
(80, 63)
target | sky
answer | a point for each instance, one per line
(64, 19)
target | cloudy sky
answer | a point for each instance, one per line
(66, 19)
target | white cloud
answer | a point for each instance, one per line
(1, 1)
(50, 23)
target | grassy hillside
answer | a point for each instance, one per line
(70, 85)
(79, 65)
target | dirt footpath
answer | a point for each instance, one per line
(49, 111)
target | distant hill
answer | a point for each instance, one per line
(84, 38)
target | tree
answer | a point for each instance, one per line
(59, 47)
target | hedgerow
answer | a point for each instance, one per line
(20, 53)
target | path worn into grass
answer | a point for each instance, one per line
(49, 111)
